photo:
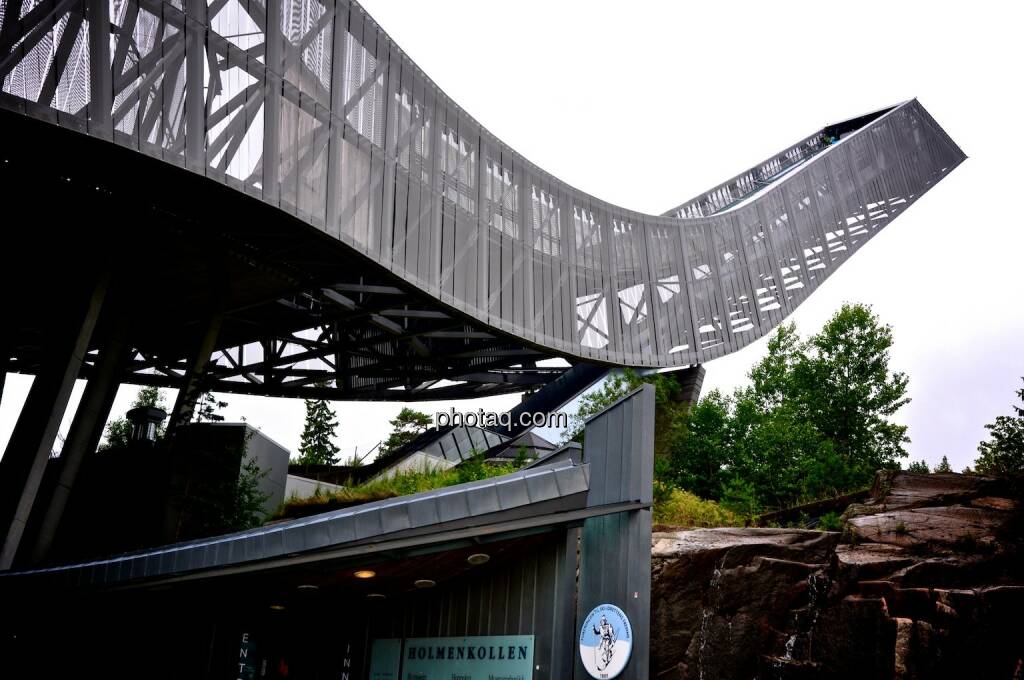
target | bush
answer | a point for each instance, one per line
(684, 509)
(830, 521)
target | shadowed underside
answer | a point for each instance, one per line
(366, 238)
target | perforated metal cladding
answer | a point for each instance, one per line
(310, 107)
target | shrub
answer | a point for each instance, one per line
(684, 509)
(830, 521)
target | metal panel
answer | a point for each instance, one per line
(515, 496)
(308, 105)
(615, 564)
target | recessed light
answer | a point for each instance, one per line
(277, 607)
(477, 559)
(424, 583)
(308, 587)
(376, 596)
(365, 573)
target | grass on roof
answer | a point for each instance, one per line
(401, 484)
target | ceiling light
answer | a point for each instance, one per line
(365, 573)
(424, 583)
(477, 559)
(277, 607)
(376, 596)
(308, 587)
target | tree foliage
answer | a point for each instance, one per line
(1003, 452)
(207, 407)
(228, 497)
(119, 431)
(317, 445)
(405, 427)
(668, 406)
(814, 421)
(944, 465)
(919, 467)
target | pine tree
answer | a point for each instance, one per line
(944, 465)
(317, 447)
(1003, 452)
(919, 467)
(406, 426)
(206, 409)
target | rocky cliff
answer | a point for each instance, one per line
(925, 581)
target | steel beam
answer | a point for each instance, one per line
(85, 432)
(193, 382)
(31, 443)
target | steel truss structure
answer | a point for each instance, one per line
(466, 265)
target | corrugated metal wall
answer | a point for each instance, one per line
(533, 595)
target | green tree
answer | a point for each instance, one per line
(699, 449)
(669, 408)
(944, 465)
(207, 407)
(919, 467)
(849, 392)
(1003, 452)
(317, 445)
(405, 427)
(227, 497)
(814, 421)
(119, 430)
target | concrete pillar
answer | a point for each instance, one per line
(192, 387)
(690, 381)
(24, 461)
(86, 431)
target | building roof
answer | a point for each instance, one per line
(540, 494)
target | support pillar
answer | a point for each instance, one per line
(192, 385)
(24, 461)
(690, 381)
(86, 430)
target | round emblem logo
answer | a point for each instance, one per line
(606, 641)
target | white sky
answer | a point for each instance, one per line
(649, 103)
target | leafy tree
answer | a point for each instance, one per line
(119, 430)
(814, 421)
(944, 465)
(405, 427)
(699, 449)
(317, 445)
(1003, 452)
(669, 408)
(221, 500)
(848, 391)
(919, 467)
(246, 505)
(207, 407)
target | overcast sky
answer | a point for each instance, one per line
(646, 104)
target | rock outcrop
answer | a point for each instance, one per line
(926, 581)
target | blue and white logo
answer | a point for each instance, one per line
(606, 641)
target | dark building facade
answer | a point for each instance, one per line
(506, 569)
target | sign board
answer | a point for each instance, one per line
(246, 658)
(606, 641)
(509, 657)
(385, 659)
